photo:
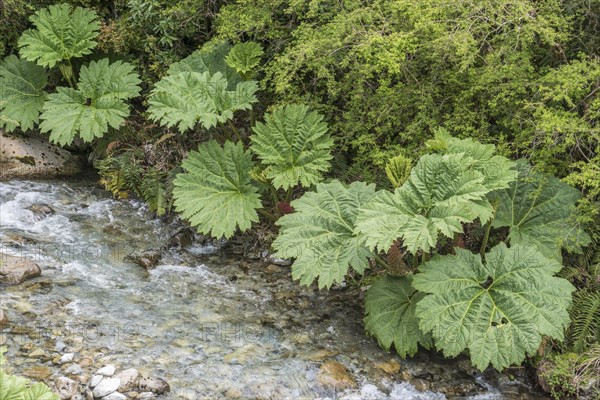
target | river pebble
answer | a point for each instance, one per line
(106, 387)
(65, 387)
(108, 370)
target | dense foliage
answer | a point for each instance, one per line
(497, 304)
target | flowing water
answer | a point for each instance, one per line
(210, 324)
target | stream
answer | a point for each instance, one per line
(209, 323)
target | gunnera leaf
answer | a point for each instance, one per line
(210, 58)
(441, 193)
(540, 210)
(97, 104)
(244, 57)
(186, 98)
(390, 315)
(215, 193)
(499, 310)
(22, 93)
(295, 145)
(498, 171)
(320, 233)
(61, 33)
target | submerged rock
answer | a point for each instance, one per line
(333, 374)
(38, 373)
(182, 239)
(15, 270)
(29, 156)
(41, 209)
(3, 318)
(74, 369)
(391, 367)
(67, 358)
(154, 385)
(147, 259)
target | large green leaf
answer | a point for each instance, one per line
(390, 315)
(498, 171)
(539, 210)
(499, 310)
(442, 192)
(244, 57)
(295, 145)
(320, 233)
(216, 194)
(210, 58)
(22, 93)
(97, 103)
(185, 98)
(17, 388)
(61, 33)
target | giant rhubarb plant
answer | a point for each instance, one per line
(95, 99)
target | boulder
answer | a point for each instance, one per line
(32, 156)
(15, 270)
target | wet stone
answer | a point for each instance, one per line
(333, 374)
(154, 385)
(106, 387)
(128, 378)
(96, 380)
(15, 270)
(66, 388)
(108, 370)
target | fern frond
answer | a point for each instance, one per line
(585, 319)
(154, 192)
(573, 274)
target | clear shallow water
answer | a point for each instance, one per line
(209, 327)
